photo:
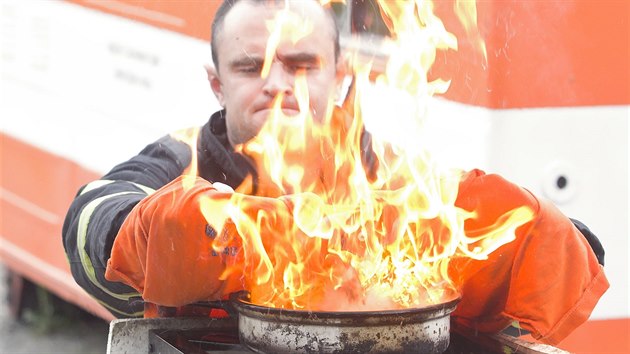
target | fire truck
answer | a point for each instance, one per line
(87, 84)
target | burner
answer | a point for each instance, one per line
(199, 335)
(225, 340)
(194, 342)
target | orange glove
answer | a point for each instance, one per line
(548, 279)
(166, 250)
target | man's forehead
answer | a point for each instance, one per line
(245, 29)
(296, 5)
(248, 12)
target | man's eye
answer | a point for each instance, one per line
(253, 69)
(248, 68)
(302, 66)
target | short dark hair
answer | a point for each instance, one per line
(227, 5)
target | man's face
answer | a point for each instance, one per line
(237, 82)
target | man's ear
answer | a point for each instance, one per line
(215, 84)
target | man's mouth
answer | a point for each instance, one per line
(290, 111)
(287, 110)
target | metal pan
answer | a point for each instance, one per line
(271, 330)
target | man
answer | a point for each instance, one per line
(138, 232)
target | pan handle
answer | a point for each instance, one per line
(227, 304)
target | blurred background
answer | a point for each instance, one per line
(47, 324)
(87, 84)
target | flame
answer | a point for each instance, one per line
(189, 137)
(331, 236)
(466, 11)
(286, 25)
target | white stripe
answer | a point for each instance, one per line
(96, 184)
(113, 309)
(147, 190)
(29, 207)
(103, 182)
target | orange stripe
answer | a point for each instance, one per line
(600, 336)
(36, 190)
(40, 177)
(541, 54)
(190, 17)
(596, 336)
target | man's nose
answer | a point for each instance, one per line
(278, 81)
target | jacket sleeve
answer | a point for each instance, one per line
(99, 209)
(547, 279)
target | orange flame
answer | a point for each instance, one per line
(340, 238)
(189, 136)
(286, 25)
(466, 11)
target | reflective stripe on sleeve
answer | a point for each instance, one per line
(115, 310)
(86, 262)
(103, 182)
